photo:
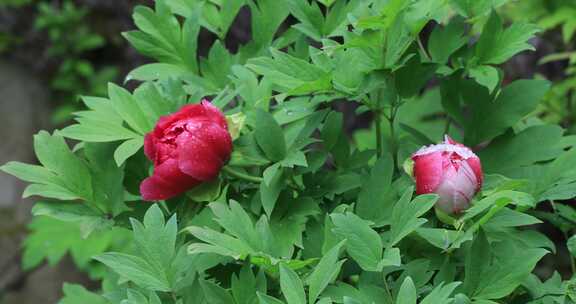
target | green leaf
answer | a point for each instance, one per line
(128, 108)
(363, 244)
(267, 16)
(154, 71)
(155, 238)
(406, 215)
(237, 222)
(101, 123)
(477, 260)
(291, 286)
(215, 294)
(440, 294)
(325, 272)
(444, 41)
(486, 75)
(269, 136)
(555, 173)
(127, 149)
(492, 118)
(291, 74)
(496, 44)
(407, 293)
(64, 176)
(501, 278)
(88, 218)
(75, 294)
(310, 16)
(135, 269)
(245, 285)
(501, 198)
(266, 299)
(511, 151)
(398, 39)
(473, 8)
(218, 243)
(441, 238)
(351, 66)
(375, 199)
(108, 179)
(42, 242)
(571, 244)
(269, 192)
(331, 130)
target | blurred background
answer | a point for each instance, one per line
(53, 51)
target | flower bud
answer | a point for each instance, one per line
(450, 170)
(187, 148)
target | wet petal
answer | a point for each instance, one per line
(203, 150)
(428, 171)
(166, 182)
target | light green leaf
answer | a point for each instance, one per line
(221, 243)
(325, 272)
(492, 118)
(237, 222)
(444, 41)
(127, 107)
(75, 294)
(127, 149)
(440, 294)
(136, 270)
(291, 286)
(63, 176)
(375, 199)
(496, 44)
(154, 71)
(88, 219)
(266, 299)
(501, 278)
(215, 294)
(407, 293)
(363, 244)
(486, 75)
(571, 244)
(269, 136)
(406, 215)
(291, 75)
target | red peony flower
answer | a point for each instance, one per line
(188, 147)
(450, 170)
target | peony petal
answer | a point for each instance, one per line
(215, 114)
(150, 146)
(428, 171)
(166, 182)
(456, 189)
(203, 150)
(476, 166)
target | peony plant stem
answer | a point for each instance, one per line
(378, 122)
(242, 175)
(393, 147)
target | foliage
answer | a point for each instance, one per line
(303, 212)
(71, 38)
(557, 18)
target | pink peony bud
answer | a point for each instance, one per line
(450, 170)
(188, 147)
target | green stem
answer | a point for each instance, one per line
(242, 175)
(379, 144)
(447, 125)
(422, 48)
(388, 293)
(393, 148)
